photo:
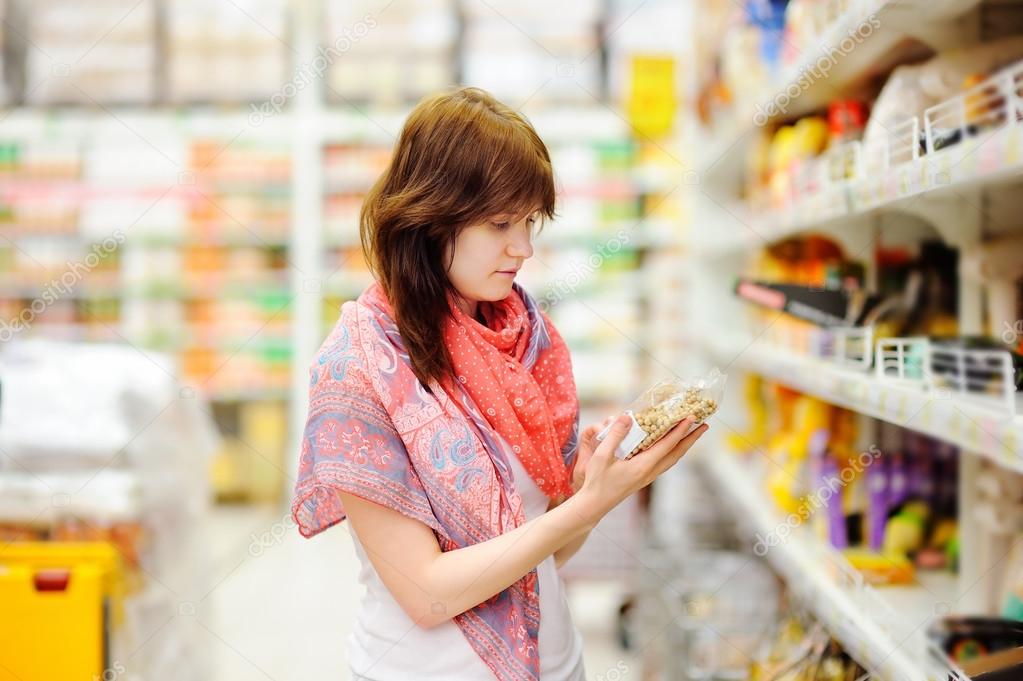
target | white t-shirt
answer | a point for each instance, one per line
(386, 645)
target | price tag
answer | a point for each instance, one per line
(968, 164)
(924, 415)
(955, 425)
(990, 153)
(1009, 449)
(1012, 142)
(902, 413)
(943, 168)
(891, 186)
(926, 176)
(905, 181)
(989, 436)
(973, 436)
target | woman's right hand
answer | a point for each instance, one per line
(610, 480)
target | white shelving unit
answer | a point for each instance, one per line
(976, 424)
(882, 628)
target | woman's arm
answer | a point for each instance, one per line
(562, 555)
(433, 586)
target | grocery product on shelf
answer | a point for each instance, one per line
(752, 48)
(389, 54)
(104, 52)
(191, 259)
(214, 54)
(998, 266)
(969, 639)
(801, 650)
(350, 169)
(534, 51)
(4, 88)
(891, 509)
(812, 304)
(847, 119)
(911, 89)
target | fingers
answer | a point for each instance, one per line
(667, 443)
(680, 450)
(590, 432)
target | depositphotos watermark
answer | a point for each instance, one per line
(56, 289)
(313, 70)
(810, 503)
(580, 272)
(111, 673)
(817, 70)
(615, 673)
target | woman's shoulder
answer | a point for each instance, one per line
(342, 358)
(356, 349)
(352, 330)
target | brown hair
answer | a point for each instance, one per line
(462, 157)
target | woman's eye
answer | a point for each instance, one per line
(502, 225)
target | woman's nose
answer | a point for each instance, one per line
(521, 245)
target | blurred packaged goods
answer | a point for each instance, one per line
(391, 55)
(105, 452)
(534, 51)
(112, 63)
(211, 56)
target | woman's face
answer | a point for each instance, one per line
(486, 256)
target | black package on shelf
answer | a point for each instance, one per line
(822, 306)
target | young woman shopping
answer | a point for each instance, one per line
(443, 417)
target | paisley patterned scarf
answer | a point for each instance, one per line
(374, 431)
(530, 401)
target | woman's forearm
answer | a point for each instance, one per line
(464, 578)
(562, 555)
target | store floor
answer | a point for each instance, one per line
(281, 607)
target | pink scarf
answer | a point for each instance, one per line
(533, 409)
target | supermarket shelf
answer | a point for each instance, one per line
(892, 32)
(191, 122)
(333, 125)
(974, 424)
(922, 186)
(883, 628)
(560, 124)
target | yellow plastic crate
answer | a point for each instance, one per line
(57, 602)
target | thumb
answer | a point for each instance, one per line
(617, 432)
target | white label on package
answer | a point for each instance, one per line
(635, 435)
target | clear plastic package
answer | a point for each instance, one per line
(664, 405)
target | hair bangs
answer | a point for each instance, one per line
(519, 175)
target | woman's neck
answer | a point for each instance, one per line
(470, 307)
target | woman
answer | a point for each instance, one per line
(443, 417)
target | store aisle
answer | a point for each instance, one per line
(280, 607)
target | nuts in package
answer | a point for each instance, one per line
(664, 405)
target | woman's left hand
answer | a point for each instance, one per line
(587, 443)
